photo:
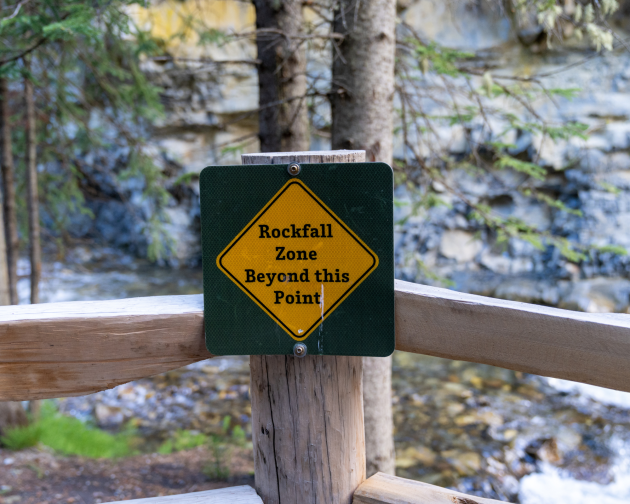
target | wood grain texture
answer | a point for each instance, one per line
(307, 428)
(585, 347)
(233, 495)
(386, 489)
(337, 156)
(76, 348)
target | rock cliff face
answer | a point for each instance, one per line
(445, 243)
(212, 106)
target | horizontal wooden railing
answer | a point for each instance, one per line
(75, 348)
(585, 347)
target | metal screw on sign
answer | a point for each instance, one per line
(294, 169)
(299, 349)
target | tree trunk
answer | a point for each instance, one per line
(377, 412)
(10, 216)
(283, 117)
(11, 413)
(7, 164)
(32, 192)
(362, 118)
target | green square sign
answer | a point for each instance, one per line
(306, 258)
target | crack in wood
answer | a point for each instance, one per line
(273, 428)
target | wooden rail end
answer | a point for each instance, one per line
(81, 347)
(386, 489)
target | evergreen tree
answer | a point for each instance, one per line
(92, 103)
(74, 68)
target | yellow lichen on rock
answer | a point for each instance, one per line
(174, 22)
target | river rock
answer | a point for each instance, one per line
(413, 455)
(486, 417)
(460, 245)
(466, 464)
(501, 264)
(567, 439)
(108, 416)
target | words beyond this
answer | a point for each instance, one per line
(302, 277)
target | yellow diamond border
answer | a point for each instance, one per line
(336, 218)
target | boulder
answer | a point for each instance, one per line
(460, 245)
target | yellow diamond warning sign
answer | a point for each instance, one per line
(297, 260)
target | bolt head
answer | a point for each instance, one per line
(299, 349)
(294, 169)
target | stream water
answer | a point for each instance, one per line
(482, 430)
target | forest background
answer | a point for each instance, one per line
(135, 100)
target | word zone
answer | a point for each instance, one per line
(303, 276)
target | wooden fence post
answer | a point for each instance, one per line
(307, 413)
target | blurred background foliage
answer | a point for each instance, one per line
(99, 68)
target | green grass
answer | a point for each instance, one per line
(68, 436)
(182, 440)
(219, 446)
(21, 437)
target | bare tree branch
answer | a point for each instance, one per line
(17, 10)
(168, 58)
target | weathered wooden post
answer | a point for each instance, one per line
(307, 413)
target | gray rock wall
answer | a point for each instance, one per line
(210, 106)
(443, 241)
